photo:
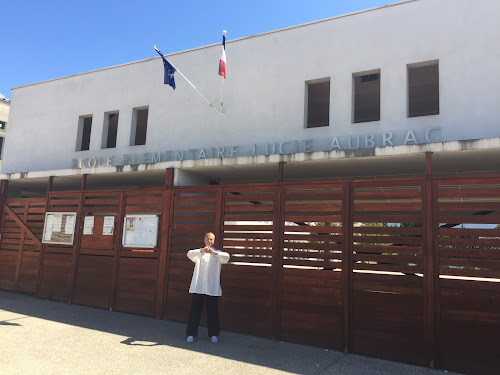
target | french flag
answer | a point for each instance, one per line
(222, 62)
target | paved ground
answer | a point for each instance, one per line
(46, 337)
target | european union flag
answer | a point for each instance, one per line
(169, 70)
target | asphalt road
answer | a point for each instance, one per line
(46, 337)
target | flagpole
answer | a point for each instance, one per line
(222, 77)
(199, 93)
(174, 69)
(221, 94)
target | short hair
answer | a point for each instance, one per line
(206, 234)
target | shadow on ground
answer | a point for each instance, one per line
(146, 331)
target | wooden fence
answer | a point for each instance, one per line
(404, 269)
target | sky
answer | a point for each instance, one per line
(42, 40)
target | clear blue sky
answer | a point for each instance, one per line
(47, 39)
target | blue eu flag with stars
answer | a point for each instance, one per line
(169, 70)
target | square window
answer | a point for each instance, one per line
(318, 104)
(366, 97)
(423, 89)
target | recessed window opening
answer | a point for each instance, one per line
(366, 97)
(1, 147)
(3, 125)
(139, 126)
(84, 131)
(110, 130)
(318, 104)
(423, 89)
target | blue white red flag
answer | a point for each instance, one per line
(222, 62)
(169, 69)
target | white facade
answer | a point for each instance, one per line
(4, 119)
(265, 97)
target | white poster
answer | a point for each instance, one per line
(49, 223)
(108, 226)
(88, 225)
(56, 223)
(69, 228)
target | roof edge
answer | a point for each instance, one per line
(227, 42)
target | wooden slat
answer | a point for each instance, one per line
(312, 229)
(387, 249)
(318, 207)
(257, 197)
(471, 241)
(248, 207)
(388, 207)
(389, 230)
(470, 219)
(22, 225)
(470, 193)
(397, 240)
(385, 218)
(469, 232)
(391, 194)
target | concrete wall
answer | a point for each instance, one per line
(264, 95)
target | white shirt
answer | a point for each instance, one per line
(206, 274)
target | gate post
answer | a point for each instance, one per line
(50, 182)
(4, 187)
(277, 262)
(431, 270)
(347, 223)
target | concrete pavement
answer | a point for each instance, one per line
(47, 337)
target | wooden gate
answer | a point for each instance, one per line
(20, 246)
(58, 262)
(404, 269)
(311, 267)
(467, 248)
(387, 296)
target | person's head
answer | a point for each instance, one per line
(209, 239)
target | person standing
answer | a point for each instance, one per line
(205, 288)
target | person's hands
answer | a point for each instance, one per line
(208, 250)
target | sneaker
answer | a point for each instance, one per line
(214, 339)
(190, 339)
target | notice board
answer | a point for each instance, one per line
(140, 231)
(59, 228)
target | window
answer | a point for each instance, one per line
(83, 135)
(139, 126)
(1, 147)
(110, 130)
(318, 104)
(3, 125)
(423, 89)
(366, 97)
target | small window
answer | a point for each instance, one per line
(139, 126)
(3, 125)
(110, 130)
(318, 104)
(366, 97)
(83, 136)
(1, 147)
(423, 89)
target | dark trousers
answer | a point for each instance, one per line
(197, 303)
